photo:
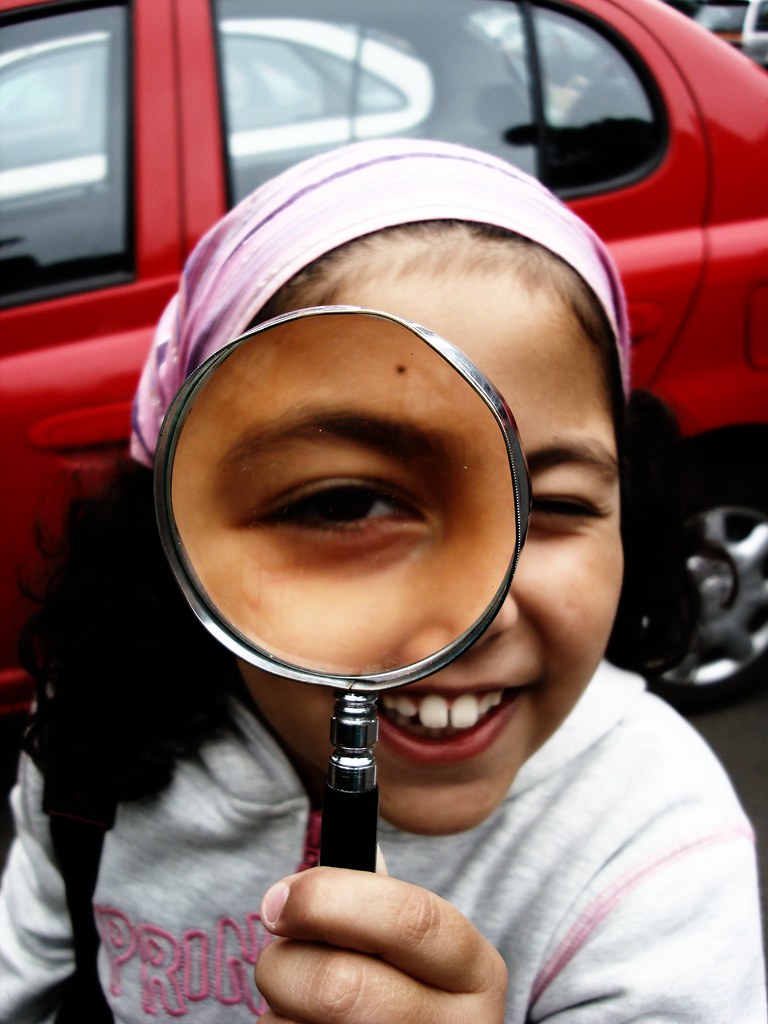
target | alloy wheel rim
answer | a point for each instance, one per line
(734, 593)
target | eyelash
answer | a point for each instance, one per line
(572, 509)
(311, 511)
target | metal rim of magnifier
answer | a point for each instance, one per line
(195, 593)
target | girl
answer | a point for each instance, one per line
(574, 854)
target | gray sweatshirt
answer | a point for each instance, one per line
(617, 879)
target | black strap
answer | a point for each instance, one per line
(78, 838)
(77, 844)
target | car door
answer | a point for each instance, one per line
(91, 243)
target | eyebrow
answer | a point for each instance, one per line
(406, 440)
(581, 453)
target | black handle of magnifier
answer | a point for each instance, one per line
(351, 803)
(348, 835)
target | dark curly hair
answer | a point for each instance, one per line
(659, 607)
(127, 680)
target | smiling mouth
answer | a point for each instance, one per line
(433, 716)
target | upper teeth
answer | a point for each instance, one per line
(436, 712)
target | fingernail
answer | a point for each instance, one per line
(273, 902)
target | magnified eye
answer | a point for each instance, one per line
(342, 506)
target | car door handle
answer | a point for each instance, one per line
(83, 428)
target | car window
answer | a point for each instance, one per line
(761, 18)
(600, 124)
(296, 82)
(63, 153)
(539, 87)
(295, 86)
(351, 70)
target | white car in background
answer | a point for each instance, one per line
(742, 23)
(290, 83)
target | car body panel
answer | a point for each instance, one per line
(203, 177)
(651, 217)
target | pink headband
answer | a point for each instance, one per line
(334, 198)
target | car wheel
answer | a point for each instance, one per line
(730, 652)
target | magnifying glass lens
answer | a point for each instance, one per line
(342, 499)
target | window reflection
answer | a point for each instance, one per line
(63, 151)
(450, 69)
(600, 125)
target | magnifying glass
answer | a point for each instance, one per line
(343, 497)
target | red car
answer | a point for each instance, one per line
(127, 128)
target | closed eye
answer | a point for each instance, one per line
(563, 507)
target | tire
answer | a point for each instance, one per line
(730, 653)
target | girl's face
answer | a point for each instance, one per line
(509, 693)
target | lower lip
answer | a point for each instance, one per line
(460, 747)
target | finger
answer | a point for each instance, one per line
(406, 926)
(317, 984)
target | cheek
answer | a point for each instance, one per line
(297, 713)
(570, 589)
